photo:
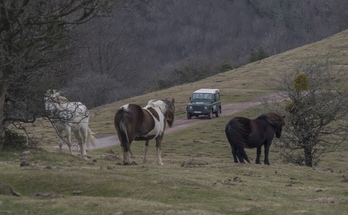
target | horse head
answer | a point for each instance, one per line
(53, 103)
(278, 131)
(277, 121)
(169, 115)
(54, 96)
(51, 93)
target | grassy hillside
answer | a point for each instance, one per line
(198, 176)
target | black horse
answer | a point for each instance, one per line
(243, 133)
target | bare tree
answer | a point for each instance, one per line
(33, 34)
(316, 113)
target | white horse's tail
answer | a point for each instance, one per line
(90, 138)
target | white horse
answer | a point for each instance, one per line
(69, 116)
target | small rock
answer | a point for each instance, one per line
(48, 195)
(24, 163)
(77, 192)
(345, 179)
(26, 152)
(237, 179)
(328, 170)
(110, 151)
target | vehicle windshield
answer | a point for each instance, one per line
(201, 96)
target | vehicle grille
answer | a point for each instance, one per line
(198, 108)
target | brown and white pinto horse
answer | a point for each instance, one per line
(135, 123)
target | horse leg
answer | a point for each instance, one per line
(266, 153)
(126, 157)
(240, 155)
(84, 134)
(158, 149)
(131, 153)
(80, 143)
(68, 137)
(60, 141)
(146, 148)
(258, 154)
(234, 153)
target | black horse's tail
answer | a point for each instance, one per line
(237, 133)
(120, 122)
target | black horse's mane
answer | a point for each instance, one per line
(273, 118)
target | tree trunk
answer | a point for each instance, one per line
(3, 87)
(308, 155)
(2, 103)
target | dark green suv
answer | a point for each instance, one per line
(204, 102)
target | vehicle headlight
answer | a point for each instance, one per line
(190, 107)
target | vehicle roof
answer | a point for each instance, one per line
(207, 91)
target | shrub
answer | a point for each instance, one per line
(258, 55)
(225, 67)
(14, 140)
(300, 82)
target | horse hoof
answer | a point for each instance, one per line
(133, 163)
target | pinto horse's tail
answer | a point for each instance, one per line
(121, 128)
(237, 134)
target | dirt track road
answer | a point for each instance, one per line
(183, 122)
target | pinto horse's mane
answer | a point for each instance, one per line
(163, 105)
(159, 103)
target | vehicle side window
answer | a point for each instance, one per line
(217, 97)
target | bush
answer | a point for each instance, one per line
(300, 82)
(258, 55)
(225, 67)
(14, 140)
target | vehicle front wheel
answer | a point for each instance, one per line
(189, 116)
(210, 115)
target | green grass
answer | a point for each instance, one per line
(204, 181)
(198, 176)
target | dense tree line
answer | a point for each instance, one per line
(141, 45)
(133, 51)
(34, 35)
